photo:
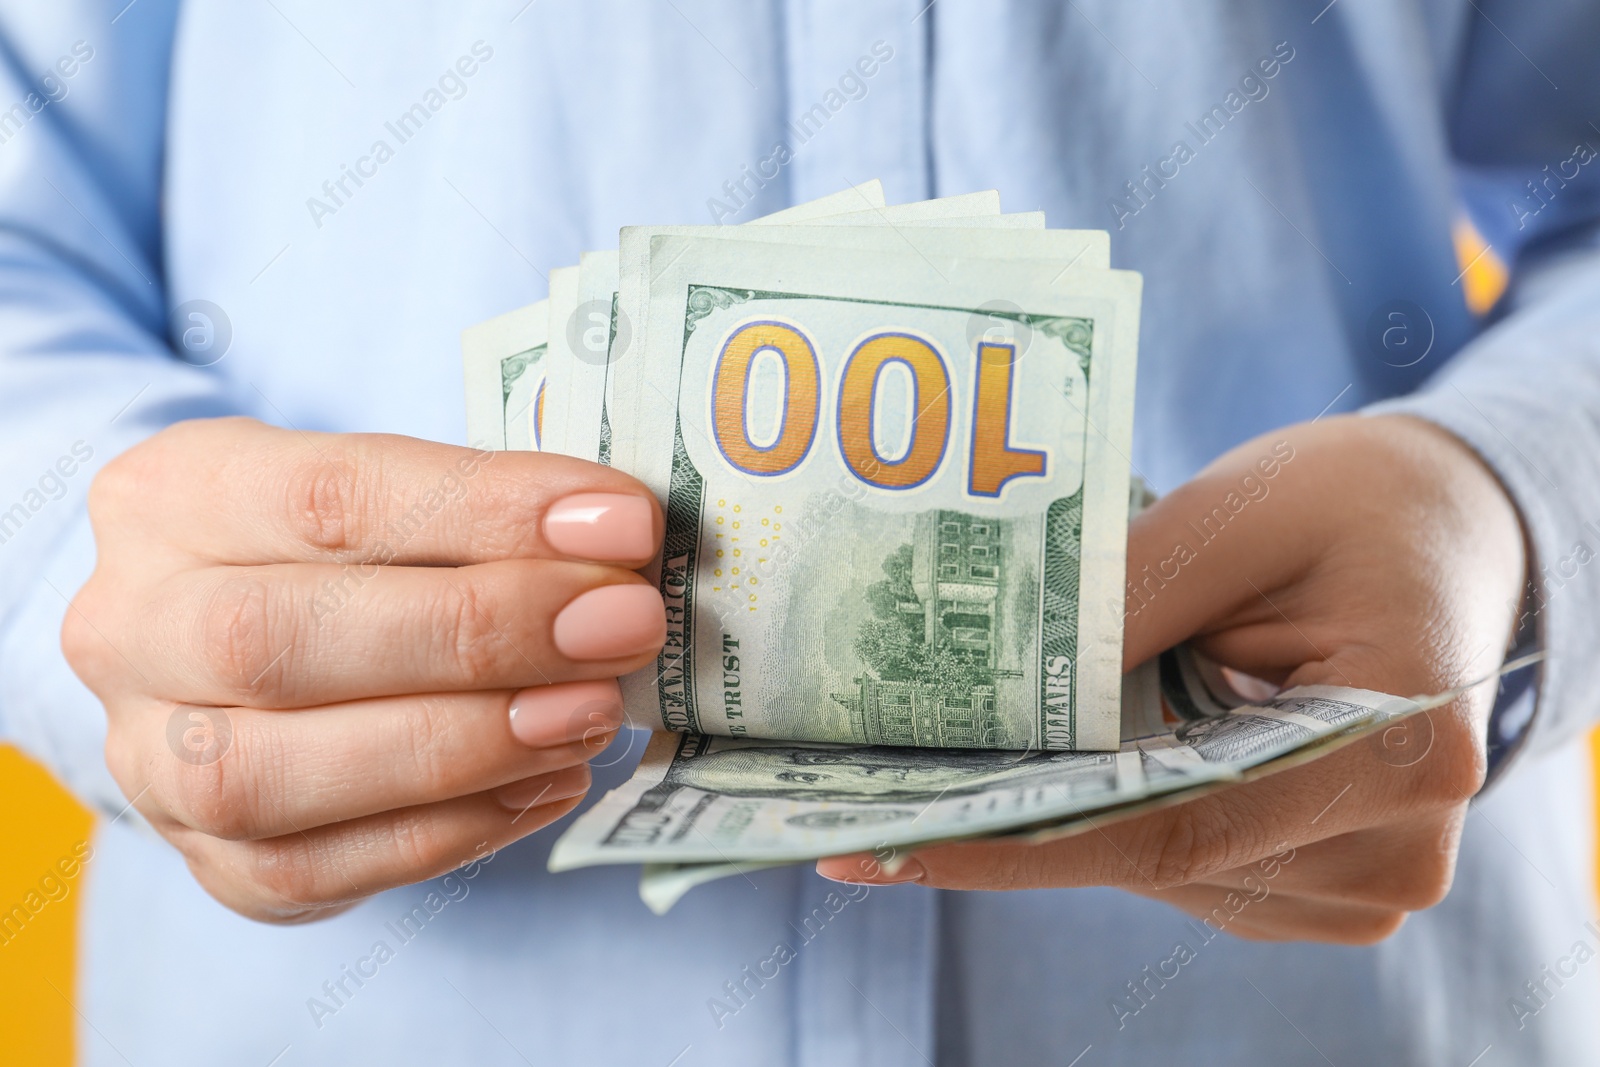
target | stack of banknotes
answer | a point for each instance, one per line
(891, 442)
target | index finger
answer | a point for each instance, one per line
(237, 491)
(1351, 789)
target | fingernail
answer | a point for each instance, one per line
(612, 622)
(870, 872)
(602, 526)
(547, 715)
(545, 789)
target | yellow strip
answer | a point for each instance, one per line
(1484, 273)
(40, 824)
(1594, 759)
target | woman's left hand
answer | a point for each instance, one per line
(1380, 554)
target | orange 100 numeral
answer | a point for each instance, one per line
(994, 461)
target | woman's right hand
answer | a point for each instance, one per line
(337, 663)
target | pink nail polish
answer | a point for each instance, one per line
(544, 716)
(545, 789)
(868, 871)
(604, 527)
(611, 622)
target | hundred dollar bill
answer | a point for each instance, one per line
(986, 202)
(1018, 220)
(862, 197)
(583, 316)
(601, 328)
(872, 537)
(503, 360)
(1145, 714)
(587, 319)
(1185, 700)
(700, 799)
(662, 884)
(564, 298)
(509, 365)
(634, 282)
(600, 334)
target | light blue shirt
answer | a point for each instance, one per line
(351, 185)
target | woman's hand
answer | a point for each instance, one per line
(334, 664)
(1381, 554)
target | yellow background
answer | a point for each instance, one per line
(39, 824)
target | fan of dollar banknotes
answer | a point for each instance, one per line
(891, 442)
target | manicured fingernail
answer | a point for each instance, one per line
(603, 527)
(870, 871)
(611, 622)
(545, 789)
(548, 715)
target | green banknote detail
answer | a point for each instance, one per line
(518, 396)
(731, 801)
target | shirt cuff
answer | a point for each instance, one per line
(46, 711)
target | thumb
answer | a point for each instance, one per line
(1213, 547)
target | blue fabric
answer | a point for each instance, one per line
(202, 152)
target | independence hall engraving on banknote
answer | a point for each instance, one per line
(932, 656)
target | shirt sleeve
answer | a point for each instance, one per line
(1525, 394)
(86, 369)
